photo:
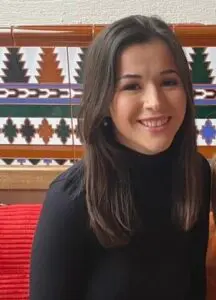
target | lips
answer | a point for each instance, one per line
(155, 122)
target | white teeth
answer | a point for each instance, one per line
(155, 123)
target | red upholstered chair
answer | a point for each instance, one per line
(17, 226)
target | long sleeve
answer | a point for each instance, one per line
(60, 253)
(200, 242)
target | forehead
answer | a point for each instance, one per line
(154, 55)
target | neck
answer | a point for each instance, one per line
(132, 159)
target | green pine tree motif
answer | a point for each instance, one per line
(10, 131)
(63, 131)
(14, 67)
(79, 78)
(200, 71)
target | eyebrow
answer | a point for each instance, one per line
(128, 76)
(168, 71)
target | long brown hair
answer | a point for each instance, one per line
(108, 195)
(213, 187)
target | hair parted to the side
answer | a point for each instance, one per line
(108, 195)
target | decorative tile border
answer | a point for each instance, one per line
(62, 131)
(36, 131)
(82, 35)
(36, 162)
(41, 86)
(40, 91)
(45, 65)
(206, 132)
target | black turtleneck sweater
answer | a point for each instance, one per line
(161, 261)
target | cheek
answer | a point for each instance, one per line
(123, 111)
(179, 106)
(182, 108)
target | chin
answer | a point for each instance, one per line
(157, 148)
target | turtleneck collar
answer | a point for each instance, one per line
(134, 160)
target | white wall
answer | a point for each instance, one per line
(20, 12)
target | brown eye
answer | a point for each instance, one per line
(170, 82)
(131, 87)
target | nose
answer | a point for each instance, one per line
(152, 98)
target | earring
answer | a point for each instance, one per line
(105, 123)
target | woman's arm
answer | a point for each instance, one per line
(59, 264)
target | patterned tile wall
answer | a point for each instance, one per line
(40, 90)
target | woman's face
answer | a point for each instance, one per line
(149, 104)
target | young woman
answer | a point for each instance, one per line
(130, 220)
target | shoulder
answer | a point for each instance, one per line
(69, 183)
(70, 179)
(65, 202)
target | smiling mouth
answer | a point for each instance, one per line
(155, 122)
